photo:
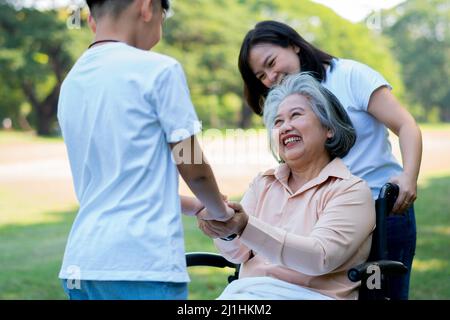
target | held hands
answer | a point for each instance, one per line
(221, 229)
(203, 213)
(407, 193)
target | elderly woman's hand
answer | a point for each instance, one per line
(204, 226)
(407, 192)
(219, 229)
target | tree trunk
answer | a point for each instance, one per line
(43, 124)
(45, 110)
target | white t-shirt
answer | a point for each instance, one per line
(118, 109)
(371, 157)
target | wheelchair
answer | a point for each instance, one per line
(373, 274)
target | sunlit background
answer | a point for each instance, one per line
(406, 41)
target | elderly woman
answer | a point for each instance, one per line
(273, 49)
(302, 225)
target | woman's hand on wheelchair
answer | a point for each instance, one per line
(407, 192)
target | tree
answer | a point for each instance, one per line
(205, 36)
(37, 50)
(339, 37)
(34, 60)
(421, 41)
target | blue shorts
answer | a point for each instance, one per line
(127, 290)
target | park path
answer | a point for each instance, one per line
(42, 168)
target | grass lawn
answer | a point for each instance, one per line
(30, 253)
(431, 267)
(34, 229)
(434, 126)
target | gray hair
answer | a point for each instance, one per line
(323, 103)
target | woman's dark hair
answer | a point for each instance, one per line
(280, 34)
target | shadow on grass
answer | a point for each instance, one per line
(430, 277)
(30, 258)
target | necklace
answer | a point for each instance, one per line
(101, 41)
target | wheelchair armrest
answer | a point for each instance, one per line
(208, 259)
(387, 267)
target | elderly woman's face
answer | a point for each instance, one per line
(298, 131)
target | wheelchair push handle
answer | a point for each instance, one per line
(389, 192)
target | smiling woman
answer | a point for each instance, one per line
(298, 132)
(301, 101)
(271, 63)
(373, 109)
(302, 224)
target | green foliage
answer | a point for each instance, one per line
(421, 42)
(337, 36)
(35, 55)
(204, 35)
(10, 101)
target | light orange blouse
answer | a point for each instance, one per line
(310, 237)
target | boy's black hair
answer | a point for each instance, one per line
(99, 7)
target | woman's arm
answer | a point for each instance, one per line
(341, 230)
(385, 108)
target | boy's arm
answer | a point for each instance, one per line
(190, 206)
(198, 175)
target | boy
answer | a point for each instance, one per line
(121, 110)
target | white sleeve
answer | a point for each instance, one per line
(174, 107)
(363, 82)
